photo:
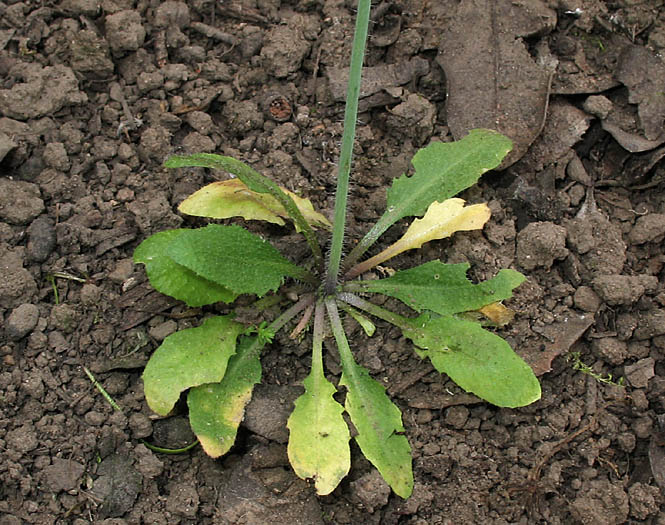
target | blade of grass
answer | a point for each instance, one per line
(348, 137)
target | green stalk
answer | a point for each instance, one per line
(373, 309)
(345, 354)
(348, 137)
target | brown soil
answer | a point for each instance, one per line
(95, 95)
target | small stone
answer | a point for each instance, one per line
(90, 294)
(200, 121)
(647, 228)
(598, 105)
(586, 299)
(644, 500)
(20, 201)
(639, 373)
(21, 321)
(41, 239)
(622, 289)
(372, 491)
(95, 419)
(163, 330)
(148, 464)
(24, 438)
(140, 425)
(539, 244)
(650, 324)
(147, 81)
(17, 285)
(123, 270)
(55, 156)
(63, 317)
(610, 350)
(33, 385)
(456, 416)
(6, 145)
(63, 474)
(124, 31)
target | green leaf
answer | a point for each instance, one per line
(189, 358)
(442, 288)
(365, 322)
(232, 198)
(217, 409)
(319, 437)
(379, 424)
(442, 170)
(254, 181)
(378, 421)
(170, 278)
(233, 258)
(477, 360)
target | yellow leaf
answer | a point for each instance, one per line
(499, 314)
(232, 198)
(441, 220)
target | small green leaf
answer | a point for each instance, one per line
(365, 322)
(170, 278)
(379, 424)
(232, 198)
(477, 360)
(189, 358)
(217, 409)
(233, 258)
(319, 437)
(442, 288)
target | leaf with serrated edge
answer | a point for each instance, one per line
(441, 220)
(217, 409)
(232, 198)
(318, 435)
(172, 279)
(378, 422)
(442, 170)
(477, 360)
(442, 288)
(232, 257)
(189, 358)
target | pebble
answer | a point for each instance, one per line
(20, 201)
(539, 244)
(647, 228)
(124, 31)
(586, 299)
(639, 373)
(41, 239)
(21, 321)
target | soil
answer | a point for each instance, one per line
(94, 95)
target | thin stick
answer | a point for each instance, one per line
(103, 392)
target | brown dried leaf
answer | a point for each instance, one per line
(492, 80)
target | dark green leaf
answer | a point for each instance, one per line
(233, 258)
(170, 278)
(443, 288)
